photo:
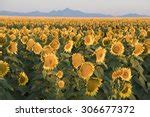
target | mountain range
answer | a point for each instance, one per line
(65, 13)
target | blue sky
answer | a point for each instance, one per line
(113, 7)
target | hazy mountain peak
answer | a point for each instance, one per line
(67, 12)
(67, 9)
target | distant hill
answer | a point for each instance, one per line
(64, 13)
(75, 13)
(134, 15)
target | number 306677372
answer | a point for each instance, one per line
(107, 109)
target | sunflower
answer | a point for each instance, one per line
(109, 34)
(78, 37)
(2, 39)
(77, 60)
(93, 86)
(132, 30)
(147, 45)
(2, 35)
(100, 54)
(134, 42)
(117, 73)
(143, 33)
(12, 48)
(86, 70)
(23, 78)
(43, 37)
(96, 39)
(64, 34)
(88, 40)
(30, 44)
(120, 35)
(114, 40)
(24, 39)
(71, 35)
(117, 48)
(90, 32)
(4, 68)
(50, 61)
(126, 91)
(37, 48)
(59, 74)
(55, 44)
(54, 33)
(138, 49)
(12, 37)
(126, 74)
(47, 49)
(123, 73)
(68, 47)
(106, 41)
(61, 84)
(129, 38)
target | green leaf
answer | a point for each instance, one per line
(4, 83)
(136, 65)
(148, 85)
(78, 43)
(141, 82)
(65, 55)
(140, 58)
(132, 97)
(99, 72)
(44, 73)
(8, 96)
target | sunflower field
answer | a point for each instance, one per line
(74, 58)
